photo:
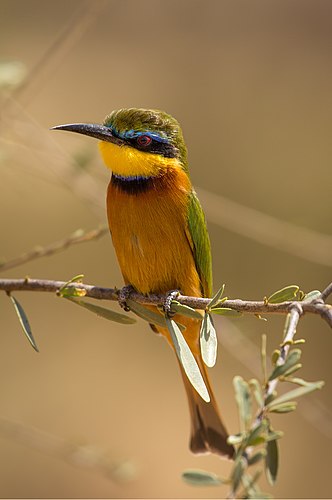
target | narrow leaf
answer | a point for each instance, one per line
(292, 369)
(272, 461)
(64, 290)
(272, 435)
(71, 291)
(185, 310)
(270, 397)
(292, 359)
(263, 357)
(237, 474)
(275, 356)
(24, 322)
(297, 393)
(150, 316)
(256, 432)
(104, 312)
(283, 407)
(201, 478)
(257, 457)
(215, 299)
(243, 399)
(208, 341)
(251, 489)
(298, 381)
(286, 293)
(310, 296)
(225, 311)
(187, 360)
(257, 391)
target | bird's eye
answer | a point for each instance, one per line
(144, 140)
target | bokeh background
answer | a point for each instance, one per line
(100, 411)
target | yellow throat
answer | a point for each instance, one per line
(129, 162)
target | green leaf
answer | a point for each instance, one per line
(251, 489)
(292, 359)
(292, 369)
(272, 461)
(257, 432)
(270, 397)
(310, 296)
(185, 310)
(216, 298)
(243, 399)
(274, 435)
(257, 391)
(263, 357)
(298, 381)
(201, 478)
(124, 319)
(275, 356)
(24, 322)
(237, 473)
(208, 341)
(225, 311)
(283, 407)
(283, 295)
(71, 291)
(150, 316)
(257, 457)
(297, 393)
(187, 360)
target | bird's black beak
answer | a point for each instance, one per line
(92, 129)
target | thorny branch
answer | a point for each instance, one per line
(295, 308)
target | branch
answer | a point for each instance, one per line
(78, 236)
(296, 311)
(101, 293)
(87, 455)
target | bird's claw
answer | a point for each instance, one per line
(172, 295)
(123, 296)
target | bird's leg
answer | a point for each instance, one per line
(123, 296)
(172, 295)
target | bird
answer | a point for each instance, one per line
(160, 235)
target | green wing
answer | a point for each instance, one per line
(200, 243)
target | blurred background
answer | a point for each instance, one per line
(101, 411)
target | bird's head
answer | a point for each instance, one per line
(137, 142)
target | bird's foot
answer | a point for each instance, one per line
(123, 296)
(172, 295)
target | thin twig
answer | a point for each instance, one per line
(102, 293)
(296, 311)
(326, 293)
(85, 455)
(300, 241)
(78, 236)
(70, 34)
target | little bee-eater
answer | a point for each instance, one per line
(159, 233)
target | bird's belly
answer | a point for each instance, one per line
(150, 240)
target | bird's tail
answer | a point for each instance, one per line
(208, 433)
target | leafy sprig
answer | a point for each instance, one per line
(256, 444)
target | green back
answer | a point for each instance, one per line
(201, 243)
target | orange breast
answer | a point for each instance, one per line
(150, 238)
